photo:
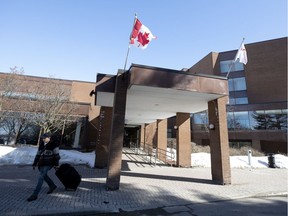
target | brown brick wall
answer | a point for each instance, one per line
(205, 65)
(80, 92)
(266, 72)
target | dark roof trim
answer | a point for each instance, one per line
(175, 71)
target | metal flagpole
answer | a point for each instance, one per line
(129, 43)
(229, 70)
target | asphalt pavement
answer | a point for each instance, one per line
(146, 190)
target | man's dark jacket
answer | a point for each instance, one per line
(47, 155)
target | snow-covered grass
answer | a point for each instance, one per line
(24, 155)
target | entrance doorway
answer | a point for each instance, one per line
(131, 136)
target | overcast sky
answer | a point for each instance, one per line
(76, 39)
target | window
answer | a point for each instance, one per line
(243, 100)
(238, 120)
(225, 66)
(230, 120)
(230, 85)
(268, 120)
(274, 119)
(200, 120)
(239, 144)
(241, 120)
(232, 101)
(247, 120)
(284, 119)
(257, 119)
(237, 84)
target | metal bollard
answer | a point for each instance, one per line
(249, 157)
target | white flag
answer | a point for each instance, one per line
(241, 54)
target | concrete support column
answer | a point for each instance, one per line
(183, 140)
(219, 144)
(103, 138)
(117, 133)
(77, 135)
(162, 138)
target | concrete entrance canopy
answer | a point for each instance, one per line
(143, 95)
(158, 93)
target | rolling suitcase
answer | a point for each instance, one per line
(69, 176)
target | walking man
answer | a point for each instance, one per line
(46, 158)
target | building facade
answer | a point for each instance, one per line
(257, 109)
(256, 113)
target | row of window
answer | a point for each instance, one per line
(234, 84)
(240, 100)
(230, 65)
(247, 120)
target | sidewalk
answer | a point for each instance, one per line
(142, 187)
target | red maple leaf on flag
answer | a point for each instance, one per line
(143, 38)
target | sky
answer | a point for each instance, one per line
(25, 155)
(77, 39)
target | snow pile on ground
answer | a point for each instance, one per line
(25, 155)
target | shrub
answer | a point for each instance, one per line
(206, 149)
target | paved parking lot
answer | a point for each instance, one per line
(142, 187)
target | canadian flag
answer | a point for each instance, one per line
(140, 35)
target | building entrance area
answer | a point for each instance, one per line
(148, 96)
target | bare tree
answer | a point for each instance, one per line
(27, 101)
(15, 124)
(9, 86)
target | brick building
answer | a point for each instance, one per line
(257, 109)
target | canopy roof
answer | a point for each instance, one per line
(158, 93)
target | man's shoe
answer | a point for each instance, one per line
(32, 198)
(51, 189)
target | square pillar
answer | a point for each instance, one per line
(142, 136)
(151, 134)
(162, 138)
(117, 133)
(103, 138)
(183, 140)
(219, 144)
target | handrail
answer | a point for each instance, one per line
(155, 153)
